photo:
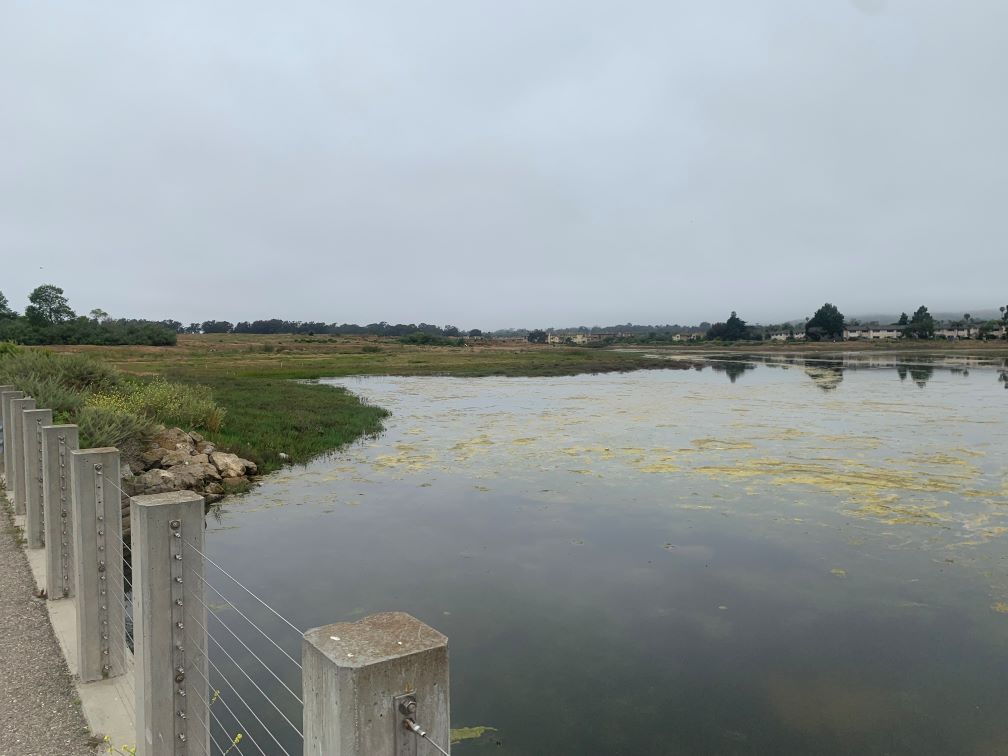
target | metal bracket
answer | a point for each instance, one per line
(404, 707)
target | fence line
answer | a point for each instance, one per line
(165, 651)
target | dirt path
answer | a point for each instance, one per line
(39, 713)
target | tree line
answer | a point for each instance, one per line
(828, 323)
(49, 319)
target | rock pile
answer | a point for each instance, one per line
(180, 461)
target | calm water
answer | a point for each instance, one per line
(748, 558)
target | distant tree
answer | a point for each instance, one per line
(192, 328)
(98, 314)
(475, 332)
(450, 330)
(922, 324)
(48, 306)
(733, 329)
(903, 319)
(216, 326)
(1004, 313)
(537, 336)
(828, 322)
(7, 313)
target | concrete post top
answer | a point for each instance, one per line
(37, 413)
(57, 427)
(10, 391)
(23, 403)
(374, 639)
(161, 499)
(99, 450)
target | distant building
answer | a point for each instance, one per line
(785, 335)
(582, 337)
(872, 332)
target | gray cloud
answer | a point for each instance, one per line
(494, 164)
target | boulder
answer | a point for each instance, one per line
(206, 447)
(193, 477)
(175, 457)
(196, 438)
(237, 482)
(231, 465)
(174, 438)
(152, 482)
(152, 457)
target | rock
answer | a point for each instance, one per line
(154, 481)
(206, 447)
(210, 498)
(238, 482)
(175, 457)
(231, 465)
(215, 488)
(125, 471)
(173, 439)
(283, 456)
(152, 457)
(193, 477)
(196, 438)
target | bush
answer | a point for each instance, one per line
(78, 372)
(106, 426)
(189, 407)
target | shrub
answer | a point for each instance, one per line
(189, 407)
(78, 372)
(107, 426)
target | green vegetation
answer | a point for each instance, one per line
(734, 329)
(922, 325)
(827, 323)
(429, 339)
(49, 319)
(110, 409)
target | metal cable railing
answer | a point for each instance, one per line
(226, 730)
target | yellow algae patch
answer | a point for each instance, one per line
(465, 450)
(857, 442)
(838, 572)
(469, 733)
(904, 514)
(662, 465)
(1000, 607)
(860, 481)
(523, 441)
(717, 444)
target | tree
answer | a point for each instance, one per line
(216, 326)
(537, 336)
(7, 313)
(732, 329)
(98, 314)
(474, 332)
(48, 306)
(921, 325)
(828, 322)
(904, 319)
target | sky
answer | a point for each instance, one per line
(504, 164)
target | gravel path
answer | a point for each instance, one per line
(38, 710)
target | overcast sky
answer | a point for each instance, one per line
(507, 163)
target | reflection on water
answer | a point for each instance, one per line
(667, 562)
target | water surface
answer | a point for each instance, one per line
(793, 557)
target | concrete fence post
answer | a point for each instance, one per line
(34, 421)
(57, 443)
(3, 426)
(359, 680)
(18, 407)
(169, 624)
(98, 563)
